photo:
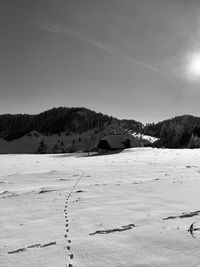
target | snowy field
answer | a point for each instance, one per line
(128, 209)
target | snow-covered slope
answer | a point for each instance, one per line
(148, 138)
(124, 209)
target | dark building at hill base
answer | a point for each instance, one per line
(116, 142)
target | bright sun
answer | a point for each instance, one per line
(193, 66)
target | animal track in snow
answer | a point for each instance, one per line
(68, 247)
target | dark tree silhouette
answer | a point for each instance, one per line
(42, 147)
(57, 120)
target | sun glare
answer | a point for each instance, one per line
(193, 66)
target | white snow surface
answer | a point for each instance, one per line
(139, 186)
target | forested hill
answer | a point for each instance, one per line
(56, 120)
(178, 132)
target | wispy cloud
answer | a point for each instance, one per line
(142, 64)
(63, 31)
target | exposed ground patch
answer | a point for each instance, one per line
(184, 215)
(121, 229)
(16, 251)
(78, 191)
(42, 191)
(34, 245)
(48, 244)
(7, 194)
(38, 245)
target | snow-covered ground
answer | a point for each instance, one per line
(116, 215)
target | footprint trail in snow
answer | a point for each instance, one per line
(67, 230)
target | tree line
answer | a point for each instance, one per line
(178, 132)
(57, 120)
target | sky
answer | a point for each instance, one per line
(132, 59)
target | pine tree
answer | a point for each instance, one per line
(54, 148)
(179, 131)
(70, 148)
(42, 147)
(191, 142)
(163, 133)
